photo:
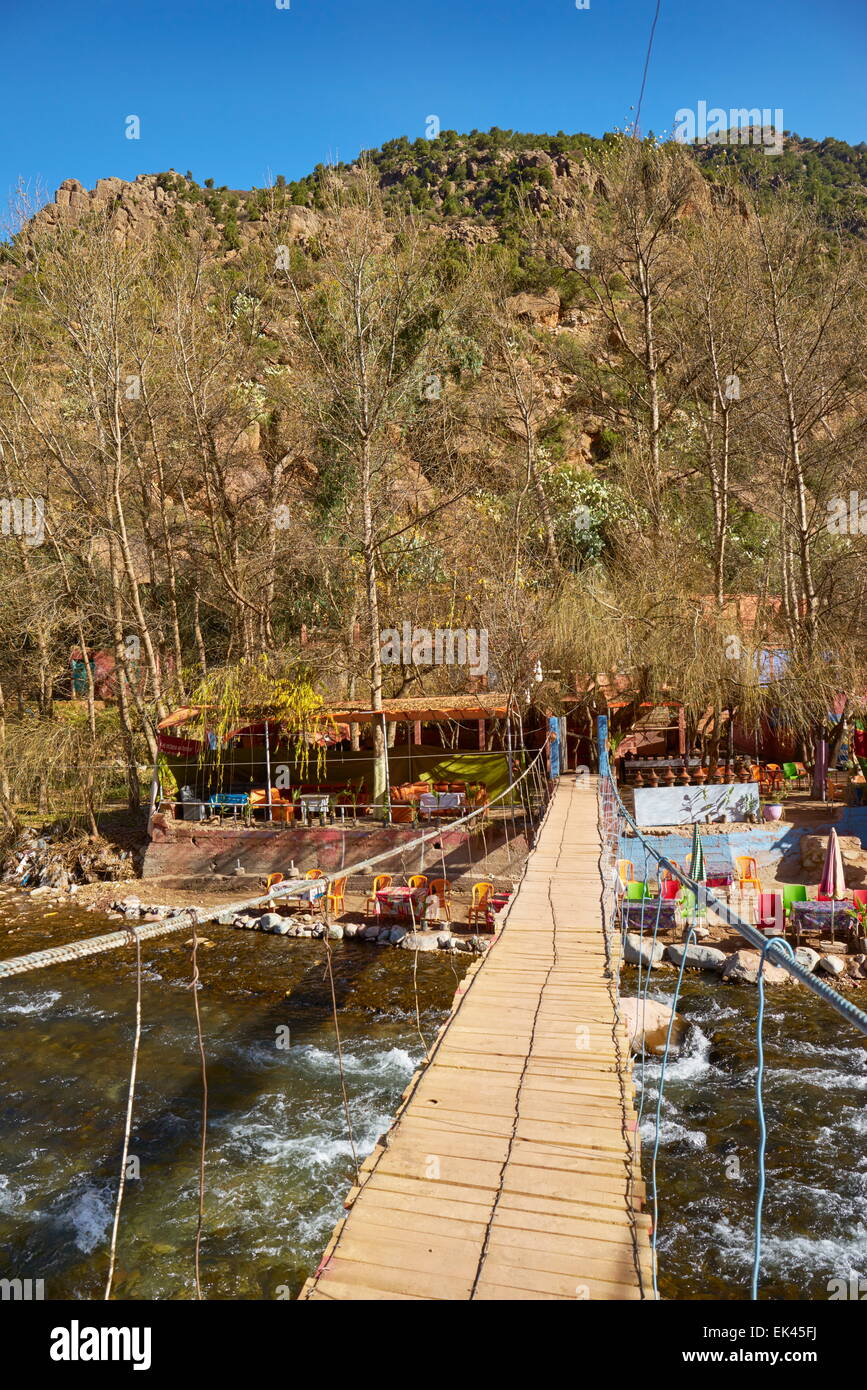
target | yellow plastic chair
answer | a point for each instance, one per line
(443, 888)
(478, 907)
(625, 870)
(336, 897)
(417, 881)
(748, 872)
(381, 881)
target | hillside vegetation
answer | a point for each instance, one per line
(600, 398)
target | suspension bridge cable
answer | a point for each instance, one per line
(128, 1124)
(200, 1219)
(635, 127)
(760, 1111)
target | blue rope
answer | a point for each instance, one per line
(644, 1001)
(760, 1109)
(654, 1233)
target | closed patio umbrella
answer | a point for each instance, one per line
(833, 882)
(697, 869)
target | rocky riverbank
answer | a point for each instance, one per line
(438, 937)
(740, 966)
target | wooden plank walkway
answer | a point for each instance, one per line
(511, 1170)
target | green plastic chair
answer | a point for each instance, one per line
(793, 893)
(791, 773)
(637, 890)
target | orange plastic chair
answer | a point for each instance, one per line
(273, 878)
(668, 875)
(443, 888)
(336, 897)
(478, 907)
(314, 873)
(381, 881)
(748, 872)
(626, 870)
(417, 881)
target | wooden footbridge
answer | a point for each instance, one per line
(512, 1168)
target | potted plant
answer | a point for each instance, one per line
(772, 807)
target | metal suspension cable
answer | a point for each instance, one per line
(93, 945)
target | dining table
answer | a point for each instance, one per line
(305, 890)
(435, 803)
(398, 901)
(833, 919)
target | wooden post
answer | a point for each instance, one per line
(268, 772)
(481, 735)
(387, 771)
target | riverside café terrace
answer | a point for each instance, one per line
(449, 754)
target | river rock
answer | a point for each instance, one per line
(335, 932)
(742, 968)
(638, 950)
(269, 921)
(396, 935)
(807, 957)
(350, 929)
(697, 957)
(831, 965)
(444, 940)
(647, 1023)
(419, 941)
(283, 927)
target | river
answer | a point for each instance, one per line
(279, 1157)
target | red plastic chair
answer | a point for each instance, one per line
(771, 919)
(670, 889)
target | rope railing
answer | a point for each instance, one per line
(534, 792)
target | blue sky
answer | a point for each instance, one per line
(235, 89)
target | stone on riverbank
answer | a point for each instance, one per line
(638, 950)
(697, 957)
(269, 921)
(647, 1023)
(831, 965)
(742, 968)
(807, 957)
(419, 941)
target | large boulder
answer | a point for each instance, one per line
(831, 965)
(697, 957)
(742, 968)
(815, 847)
(647, 1022)
(270, 921)
(420, 941)
(807, 957)
(639, 950)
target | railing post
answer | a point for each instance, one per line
(602, 739)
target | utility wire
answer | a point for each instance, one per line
(635, 129)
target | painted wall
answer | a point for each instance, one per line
(685, 805)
